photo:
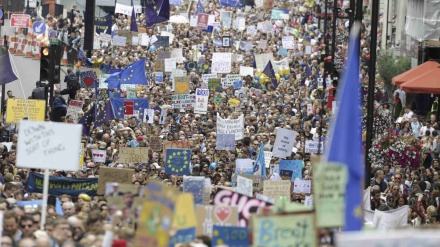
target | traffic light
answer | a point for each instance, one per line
(45, 65)
(56, 66)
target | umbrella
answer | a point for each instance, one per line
(178, 19)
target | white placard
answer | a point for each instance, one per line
(279, 64)
(150, 114)
(262, 59)
(119, 40)
(267, 158)
(313, 147)
(264, 198)
(308, 201)
(288, 42)
(244, 186)
(202, 97)
(274, 168)
(170, 64)
(206, 77)
(144, 39)
(105, 37)
(244, 166)
(230, 79)
(99, 155)
(177, 54)
(74, 107)
(221, 62)
(153, 39)
(302, 186)
(231, 126)
(262, 44)
(48, 145)
(123, 9)
(245, 71)
(284, 143)
(241, 24)
(308, 49)
(138, 9)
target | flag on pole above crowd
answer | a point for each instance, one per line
(260, 164)
(200, 9)
(133, 24)
(105, 115)
(133, 74)
(7, 73)
(345, 145)
(87, 120)
(157, 11)
(269, 72)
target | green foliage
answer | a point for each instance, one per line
(389, 66)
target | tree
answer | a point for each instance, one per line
(390, 66)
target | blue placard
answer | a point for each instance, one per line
(1, 13)
(225, 142)
(39, 27)
(183, 236)
(292, 165)
(286, 174)
(237, 84)
(177, 161)
(195, 186)
(230, 236)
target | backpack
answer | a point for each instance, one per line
(72, 82)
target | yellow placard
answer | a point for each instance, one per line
(184, 216)
(16, 110)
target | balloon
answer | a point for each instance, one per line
(152, 48)
(287, 76)
(286, 70)
(280, 70)
(262, 79)
(258, 72)
(277, 76)
(257, 77)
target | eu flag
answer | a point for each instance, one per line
(133, 25)
(260, 164)
(231, 3)
(7, 74)
(105, 115)
(346, 136)
(133, 74)
(87, 120)
(200, 9)
(269, 72)
(124, 108)
(177, 161)
(157, 11)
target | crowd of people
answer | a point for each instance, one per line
(299, 102)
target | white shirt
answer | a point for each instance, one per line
(408, 115)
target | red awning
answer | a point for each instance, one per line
(415, 72)
(428, 83)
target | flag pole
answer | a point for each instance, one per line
(371, 82)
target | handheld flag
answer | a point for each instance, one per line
(231, 3)
(260, 164)
(157, 11)
(200, 8)
(87, 120)
(133, 25)
(346, 135)
(133, 74)
(7, 73)
(105, 115)
(269, 72)
(124, 108)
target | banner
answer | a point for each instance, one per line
(123, 9)
(133, 155)
(202, 97)
(103, 24)
(182, 101)
(17, 109)
(246, 205)
(62, 185)
(231, 126)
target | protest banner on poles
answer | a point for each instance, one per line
(183, 101)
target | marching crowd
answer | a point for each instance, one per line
(299, 102)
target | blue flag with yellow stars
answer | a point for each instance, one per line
(230, 236)
(269, 72)
(177, 161)
(125, 108)
(87, 120)
(292, 165)
(132, 74)
(195, 186)
(231, 3)
(157, 11)
(105, 115)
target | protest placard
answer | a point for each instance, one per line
(43, 144)
(230, 79)
(177, 161)
(158, 77)
(297, 230)
(184, 220)
(195, 186)
(155, 143)
(183, 101)
(119, 40)
(221, 62)
(292, 165)
(206, 77)
(181, 84)
(99, 155)
(284, 143)
(18, 109)
(277, 189)
(288, 42)
(274, 168)
(243, 166)
(170, 64)
(308, 201)
(247, 205)
(225, 142)
(246, 71)
(131, 92)
(302, 186)
(163, 54)
(314, 147)
(202, 21)
(175, 144)
(133, 155)
(257, 180)
(230, 236)
(267, 158)
(262, 44)
(208, 216)
(74, 107)
(231, 126)
(148, 116)
(177, 54)
(117, 175)
(264, 198)
(105, 37)
(262, 59)
(244, 186)
(329, 187)
(202, 97)
(214, 85)
(123, 9)
(62, 185)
